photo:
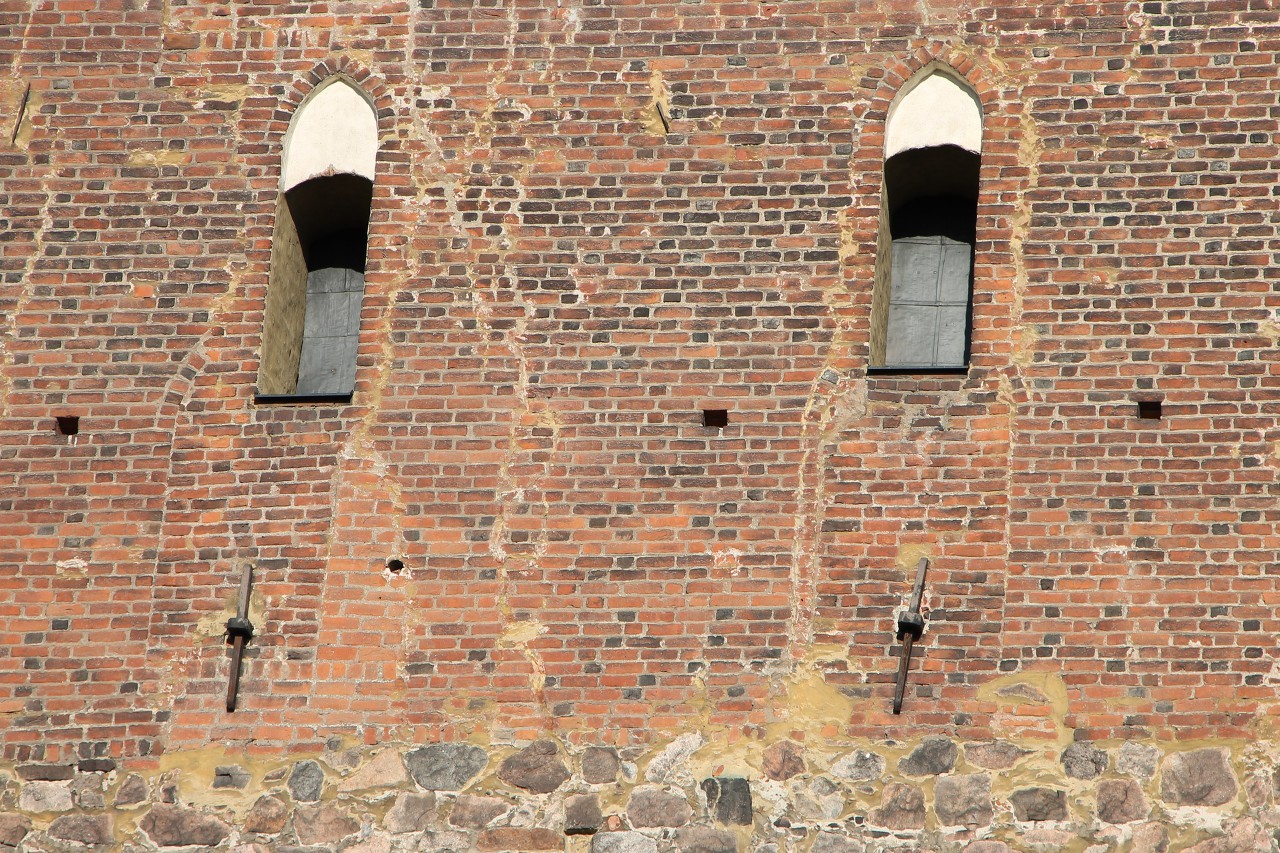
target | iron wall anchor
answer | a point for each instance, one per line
(910, 627)
(239, 632)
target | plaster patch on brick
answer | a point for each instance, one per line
(481, 137)
(26, 127)
(828, 411)
(214, 623)
(1270, 329)
(518, 636)
(166, 157)
(725, 558)
(1140, 24)
(850, 244)
(72, 567)
(1030, 152)
(9, 332)
(527, 418)
(13, 113)
(572, 17)
(805, 551)
(809, 702)
(1029, 704)
(223, 94)
(659, 105)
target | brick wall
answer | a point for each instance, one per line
(556, 288)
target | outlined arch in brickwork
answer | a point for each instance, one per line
(201, 582)
(935, 446)
(275, 127)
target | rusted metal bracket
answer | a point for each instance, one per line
(21, 115)
(662, 117)
(239, 632)
(910, 627)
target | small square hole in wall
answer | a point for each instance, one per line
(1150, 410)
(68, 424)
(715, 418)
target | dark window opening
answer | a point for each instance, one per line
(317, 285)
(715, 418)
(922, 309)
(1150, 410)
(67, 424)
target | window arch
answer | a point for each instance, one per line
(922, 300)
(316, 284)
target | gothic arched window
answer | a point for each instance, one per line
(312, 321)
(922, 303)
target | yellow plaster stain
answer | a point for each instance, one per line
(810, 703)
(194, 769)
(518, 635)
(1025, 343)
(661, 103)
(848, 242)
(1270, 329)
(1030, 151)
(157, 158)
(224, 93)
(12, 92)
(215, 624)
(1012, 692)
(908, 557)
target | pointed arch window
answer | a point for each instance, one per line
(316, 284)
(922, 301)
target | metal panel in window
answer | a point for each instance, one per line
(953, 279)
(915, 270)
(928, 302)
(327, 365)
(331, 329)
(913, 332)
(953, 323)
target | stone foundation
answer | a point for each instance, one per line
(936, 795)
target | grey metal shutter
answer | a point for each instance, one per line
(331, 328)
(929, 302)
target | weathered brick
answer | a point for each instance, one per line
(592, 223)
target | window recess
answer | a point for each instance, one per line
(316, 284)
(922, 298)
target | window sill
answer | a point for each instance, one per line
(918, 371)
(301, 399)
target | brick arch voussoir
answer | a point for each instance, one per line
(898, 72)
(338, 65)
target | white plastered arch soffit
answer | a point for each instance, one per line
(333, 131)
(934, 108)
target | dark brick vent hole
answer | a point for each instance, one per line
(715, 418)
(1150, 410)
(395, 566)
(68, 424)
